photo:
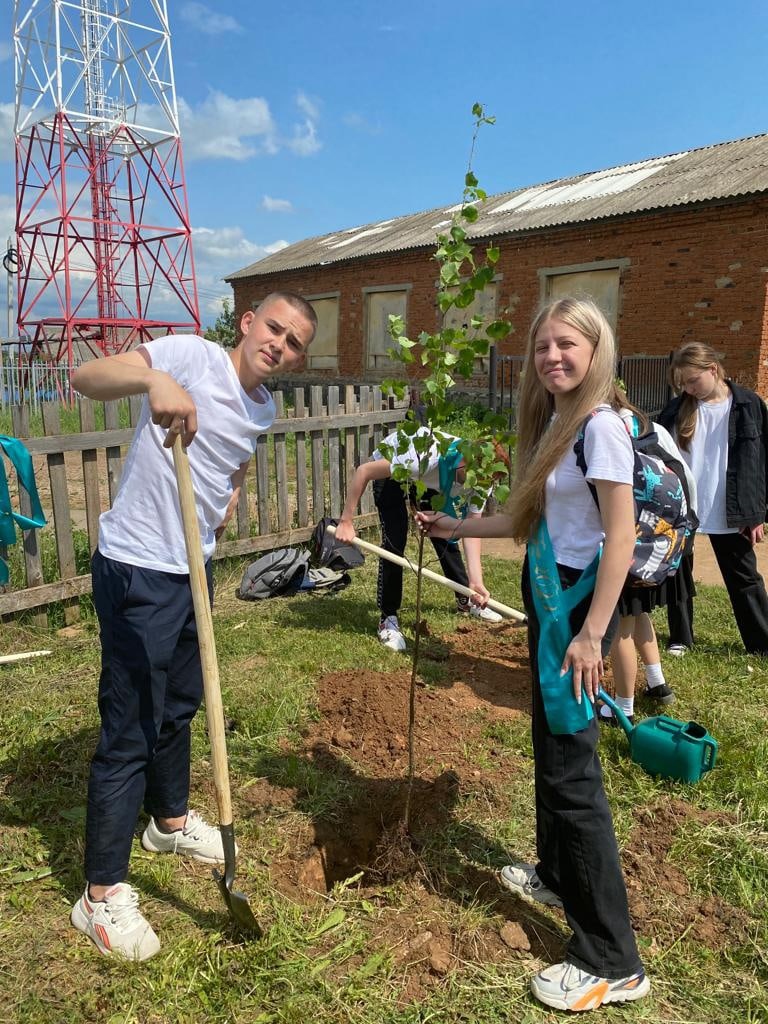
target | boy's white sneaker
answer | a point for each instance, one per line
(390, 634)
(115, 925)
(197, 840)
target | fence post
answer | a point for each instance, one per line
(33, 562)
(318, 453)
(299, 411)
(62, 518)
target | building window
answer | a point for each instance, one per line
(600, 281)
(380, 304)
(484, 305)
(323, 353)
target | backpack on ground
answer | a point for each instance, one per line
(281, 571)
(327, 552)
(664, 520)
(324, 579)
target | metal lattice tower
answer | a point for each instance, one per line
(102, 221)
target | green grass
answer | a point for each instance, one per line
(334, 958)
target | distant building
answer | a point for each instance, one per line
(674, 248)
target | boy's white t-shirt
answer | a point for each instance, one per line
(428, 471)
(708, 460)
(573, 518)
(144, 526)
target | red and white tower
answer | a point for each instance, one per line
(102, 221)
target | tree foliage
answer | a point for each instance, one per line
(224, 330)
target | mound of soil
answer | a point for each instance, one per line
(358, 747)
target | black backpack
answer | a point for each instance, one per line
(281, 571)
(327, 552)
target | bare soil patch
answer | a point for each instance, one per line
(360, 743)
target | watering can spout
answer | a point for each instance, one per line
(622, 719)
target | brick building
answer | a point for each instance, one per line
(673, 248)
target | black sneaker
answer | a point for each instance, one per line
(663, 694)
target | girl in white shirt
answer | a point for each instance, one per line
(568, 375)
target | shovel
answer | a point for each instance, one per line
(374, 549)
(236, 902)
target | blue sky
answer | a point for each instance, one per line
(347, 112)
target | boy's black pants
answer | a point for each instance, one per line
(393, 515)
(150, 688)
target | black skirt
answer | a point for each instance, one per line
(675, 589)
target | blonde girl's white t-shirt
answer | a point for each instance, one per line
(573, 518)
(144, 526)
(708, 460)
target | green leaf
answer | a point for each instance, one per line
(492, 254)
(470, 214)
(477, 109)
(470, 180)
(498, 330)
(501, 493)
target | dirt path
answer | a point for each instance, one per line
(705, 567)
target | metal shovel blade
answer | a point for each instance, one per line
(237, 902)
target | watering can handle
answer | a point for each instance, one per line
(710, 753)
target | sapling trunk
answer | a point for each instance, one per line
(412, 693)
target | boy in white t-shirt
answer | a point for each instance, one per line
(151, 680)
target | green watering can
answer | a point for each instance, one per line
(664, 746)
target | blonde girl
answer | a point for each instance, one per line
(567, 385)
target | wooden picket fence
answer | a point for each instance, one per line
(299, 474)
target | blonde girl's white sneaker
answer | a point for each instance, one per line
(115, 924)
(566, 987)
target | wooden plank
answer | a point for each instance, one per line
(378, 433)
(318, 455)
(135, 403)
(243, 515)
(37, 597)
(302, 506)
(33, 563)
(76, 586)
(123, 436)
(262, 483)
(90, 459)
(281, 468)
(114, 454)
(62, 517)
(334, 454)
(364, 447)
(350, 405)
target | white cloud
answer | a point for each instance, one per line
(7, 126)
(361, 124)
(308, 106)
(202, 18)
(277, 205)
(6, 51)
(226, 128)
(218, 253)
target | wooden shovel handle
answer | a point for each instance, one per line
(374, 549)
(214, 709)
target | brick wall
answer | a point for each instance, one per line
(692, 274)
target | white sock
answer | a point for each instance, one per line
(627, 705)
(654, 675)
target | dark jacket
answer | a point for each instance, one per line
(746, 478)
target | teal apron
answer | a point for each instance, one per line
(22, 461)
(553, 607)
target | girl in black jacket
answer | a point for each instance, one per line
(721, 430)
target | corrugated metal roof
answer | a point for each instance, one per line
(725, 170)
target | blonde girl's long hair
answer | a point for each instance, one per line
(541, 441)
(695, 355)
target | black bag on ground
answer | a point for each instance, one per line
(281, 571)
(326, 551)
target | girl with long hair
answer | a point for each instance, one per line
(721, 430)
(570, 590)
